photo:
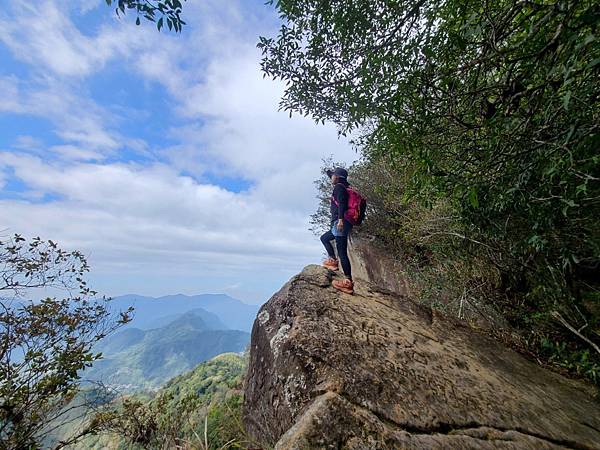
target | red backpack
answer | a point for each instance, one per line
(357, 207)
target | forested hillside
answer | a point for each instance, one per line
(135, 359)
(200, 409)
(478, 127)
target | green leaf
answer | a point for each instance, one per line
(593, 63)
(473, 198)
(566, 99)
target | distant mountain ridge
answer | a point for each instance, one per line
(211, 321)
(135, 359)
(154, 312)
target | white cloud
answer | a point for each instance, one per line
(138, 216)
(71, 152)
(234, 124)
(88, 5)
(42, 34)
(26, 142)
(60, 57)
(9, 100)
(77, 120)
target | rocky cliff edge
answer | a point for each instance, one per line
(376, 371)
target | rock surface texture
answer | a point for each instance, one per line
(372, 263)
(373, 370)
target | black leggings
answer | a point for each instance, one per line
(341, 243)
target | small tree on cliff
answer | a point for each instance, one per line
(45, 345)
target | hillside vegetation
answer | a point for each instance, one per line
(200, 409)
(478, 126)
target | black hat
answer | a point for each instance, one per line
(340, 172)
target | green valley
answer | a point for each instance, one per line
(135, 359)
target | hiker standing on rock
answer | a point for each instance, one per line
(340, 229)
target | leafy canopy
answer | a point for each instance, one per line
(492, 106)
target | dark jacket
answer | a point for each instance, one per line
(340, 194)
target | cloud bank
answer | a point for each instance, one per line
(208, 188)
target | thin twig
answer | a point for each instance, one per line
(462, 299)
(562, 320)
(446, 233)
(206, 431)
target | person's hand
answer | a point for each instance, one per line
(340, 225)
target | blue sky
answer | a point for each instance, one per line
(161, 156)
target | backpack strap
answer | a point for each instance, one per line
(345, 187)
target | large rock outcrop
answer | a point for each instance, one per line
(374, 263)
(371, 262)
(376, 371)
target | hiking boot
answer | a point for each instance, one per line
(344, 285)
(331, 264)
